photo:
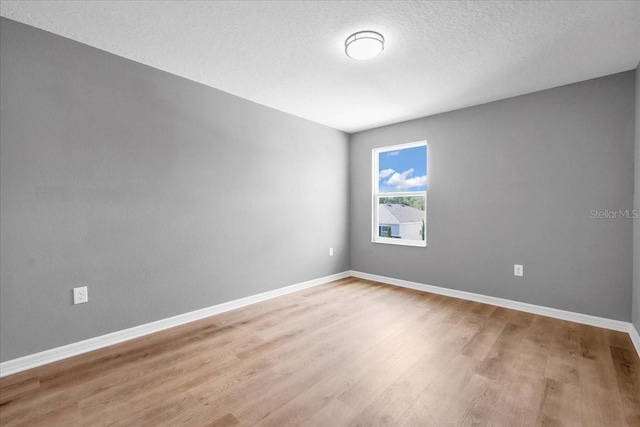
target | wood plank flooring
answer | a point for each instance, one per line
(348, 353)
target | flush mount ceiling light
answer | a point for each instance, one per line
(364, 45)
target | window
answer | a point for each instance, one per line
(400, 194)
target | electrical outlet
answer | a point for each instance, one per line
(330, 251)
(80, 295)
(518, 270)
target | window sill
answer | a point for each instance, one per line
(399, 242)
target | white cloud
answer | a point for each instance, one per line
(418, 181)
(385, 173)
(404, 181)
(393, 153)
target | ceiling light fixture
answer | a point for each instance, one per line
(364, 45)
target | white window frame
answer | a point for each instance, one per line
(376, 195)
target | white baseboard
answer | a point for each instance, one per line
(635, 338)
(55, 354)
(585, 319)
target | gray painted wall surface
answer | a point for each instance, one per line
(160, 194)
(512, 182)
(636, 224)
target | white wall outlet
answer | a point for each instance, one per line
(80, 295)
(330, 251)
(518, 270)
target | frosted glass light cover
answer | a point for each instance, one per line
(364, 45)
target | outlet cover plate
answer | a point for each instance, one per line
(80, 295)
(518, 270)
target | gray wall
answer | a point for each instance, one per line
(512, 182)
(636, 225)
(160, 194)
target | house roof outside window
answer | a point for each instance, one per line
(398, 214)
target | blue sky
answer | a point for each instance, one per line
(403, 170)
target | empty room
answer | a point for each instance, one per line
(319, 213)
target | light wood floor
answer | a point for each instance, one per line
(350, 352)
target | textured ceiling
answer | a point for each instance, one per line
(289, 55)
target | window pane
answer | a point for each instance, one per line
(402, 217)
(402, 170)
